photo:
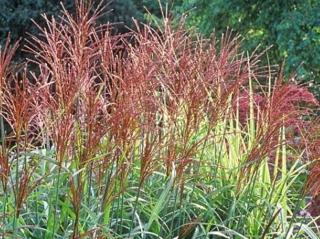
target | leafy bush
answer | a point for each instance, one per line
(292, 28)
(169, 137)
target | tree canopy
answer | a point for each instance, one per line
(291, 27)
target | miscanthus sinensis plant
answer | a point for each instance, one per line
(157, 133)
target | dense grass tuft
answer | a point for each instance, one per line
(154, 134)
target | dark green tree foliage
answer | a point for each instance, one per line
(121, 12)
(154, 8)
(292, 27)
(16, 15)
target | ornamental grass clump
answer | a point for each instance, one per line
(152, 134)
